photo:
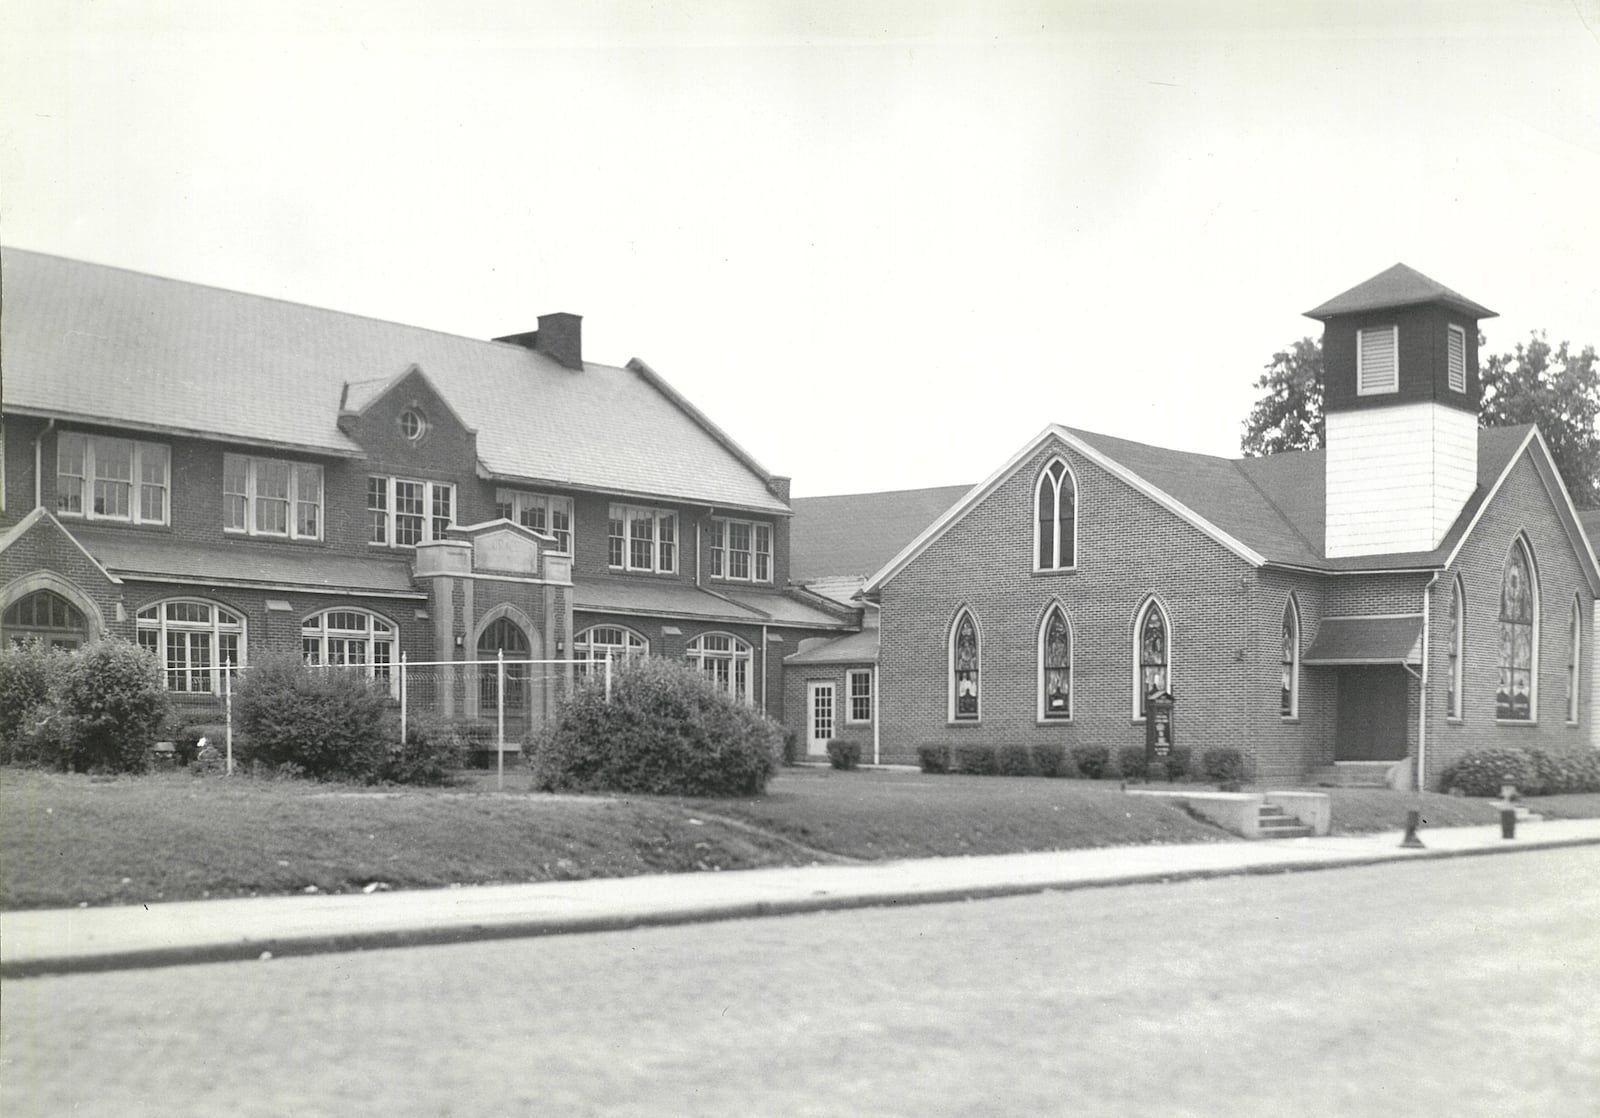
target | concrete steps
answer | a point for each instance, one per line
(1275, 823)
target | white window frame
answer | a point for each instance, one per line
(1456, 656)
(378, 634)
(1575, 664)
(852, 695)
(251, 497)
(526, 508)
(1536, 601)
(223, 622)
(140, 453)
(1067, 477)
(630, 515)
(633, 646)
(1041, 714)
(1150, 603)
(431, 491)
(756, 557)
(1393, 384)
(737, 656)
(1458, 383)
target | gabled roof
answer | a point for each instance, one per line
(857, 648)
(92, 343)
(854, 534)
(1269, 511)
(1398, 286)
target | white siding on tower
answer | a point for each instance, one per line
(1397, 477)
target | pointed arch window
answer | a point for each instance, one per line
(1515, 697)
(1056, 518)
(1152, 655)
(1574, 665)
(1289, 688)
(46, 616)
(1452, 695)
(965, 662)
(1055, 666)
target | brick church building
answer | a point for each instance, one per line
(218, 475)
(1366, 612)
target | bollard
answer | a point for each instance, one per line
(1508, 822)
(1411, 841)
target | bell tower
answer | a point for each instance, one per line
(1400, 395)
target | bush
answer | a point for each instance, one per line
(1481, 772)
(1091, 760)
(976, 760)
(1562, 772)
(1223, 766)
(431, 753)
(844, 754)
(1049, 759)
(115, 704)
(329, 721)
(1131, 762)
(667, 731)
(791, 746)
(1178, 761)
(31, 725)
(1015, 760)
(934, 758)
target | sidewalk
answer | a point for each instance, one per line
(61, 941)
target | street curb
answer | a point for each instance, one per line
(538, 926)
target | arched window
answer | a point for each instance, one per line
(1289, 690)
(1055, 665)
(1056, 518)
(350, 638)
(1152, 655)
(46, 616)
(503, 637)
(1516, 698)
(1574, 658)
(965, 662)
(591, 647)
(726, 659)
(192, 640)
(1452, 695)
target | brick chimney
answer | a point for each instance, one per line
(559, 337)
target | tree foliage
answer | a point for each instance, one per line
(1556, 388)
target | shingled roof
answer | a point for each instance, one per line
(99, 344)
(1398, 286)
(856, 533)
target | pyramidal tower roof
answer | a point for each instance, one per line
(1398, 286)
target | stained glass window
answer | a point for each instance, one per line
(1514, 695)
(1574, 656)
(1154, 655)
(1055, 666)
(1289, 689)
(1055, 532)
(1452, 698)
(964, 667)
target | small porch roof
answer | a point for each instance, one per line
(1392, 639)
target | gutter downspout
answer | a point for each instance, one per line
(875, 702)
(38, 464)
(1422, 685)
(763, 669)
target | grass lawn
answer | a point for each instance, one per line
(67, 840)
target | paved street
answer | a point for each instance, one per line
(1466, 987)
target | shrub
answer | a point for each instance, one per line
(976, 760)
(791, 746)
(1481, 772)
(328, 721)
(1178, 761)
(844, 754)
(1049, 758)
(667, 731)
(1015, 760)
(431, 753)
(112, 696)
(31, 724)
(1131, 762)
(1223, 766)
(1091, 760)
(1563, 772)
(934, 758)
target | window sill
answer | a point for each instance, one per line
(1052, 721)
(1289, 719)
(633, 573)
(1047, 572)
(265, 537)
(1529, 723)
(111, 522)
(1455, 720)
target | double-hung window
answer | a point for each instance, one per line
(641, 539)
(270, 497)
(741, 550)
(100, 478)
(539, 511)
(860, 708)
(404, 513)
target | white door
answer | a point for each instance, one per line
(820, 710)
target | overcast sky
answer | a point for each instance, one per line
(882, 244)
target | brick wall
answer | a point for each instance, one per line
(796, 697)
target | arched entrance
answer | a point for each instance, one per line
(503, 636)
(46, 616)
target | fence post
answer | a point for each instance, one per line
(608, 676)
(500, 718)
(402, 700)
(227, 700)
